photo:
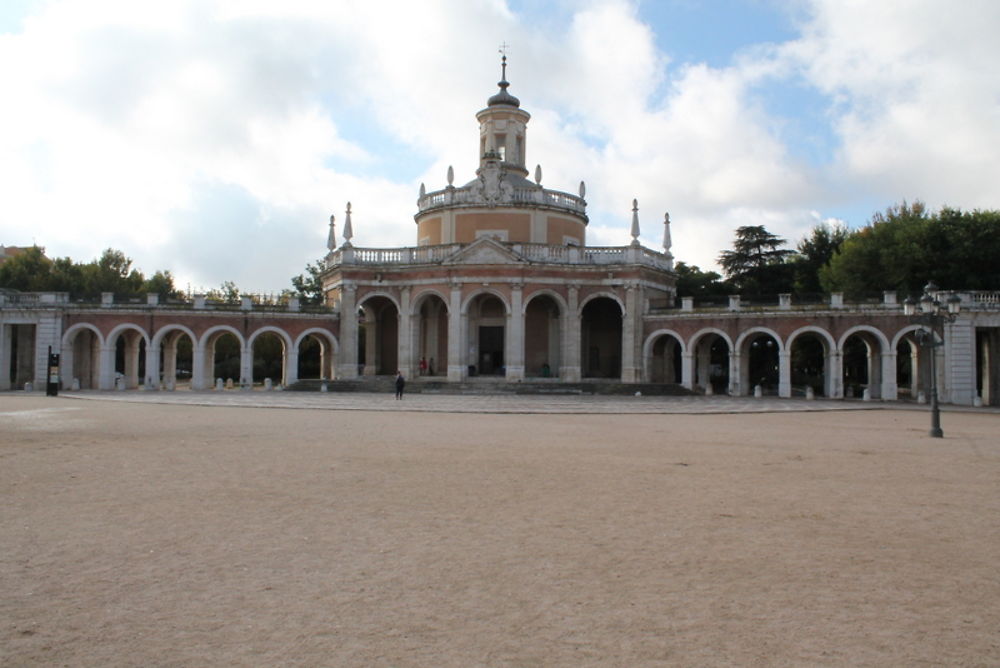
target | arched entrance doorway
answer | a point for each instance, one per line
(487, 335)
(664, 363)
(129, 348)
(760, 363)
(268, 357)
(222, 353)
(176, 359)
(542, 337)
(432, 336)
(711, 362)
(809, 360)
(601, 339)
(378, 336)
(81, 359)
(861, 361)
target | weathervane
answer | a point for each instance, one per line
(503, 61)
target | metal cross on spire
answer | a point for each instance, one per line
(503, 61)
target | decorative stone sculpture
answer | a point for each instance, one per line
(348, 229)
(538, 174)
(451, 175)
(331, 238)
(635, 222)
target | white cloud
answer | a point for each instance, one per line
(214, 138)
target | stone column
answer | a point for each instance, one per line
(785, 374)
(246, 366)
(569, 369)
(371, 341)
(153, 367)
(347, 365)
(198, 370)
(106, 377)
(131, 359)
(404, 337)
(687, 370)
(836, 376)
(960, 358)
(735, 369)
(457, 334)
(890, 392)
(291, 368)
(6, 350)
(515, 335)
(631, 332)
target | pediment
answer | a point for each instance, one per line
(485, 251)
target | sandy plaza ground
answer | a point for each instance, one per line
(148, 534)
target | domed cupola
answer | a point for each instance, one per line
(502, 129)
(503, 97)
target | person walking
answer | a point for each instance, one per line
(400, 384)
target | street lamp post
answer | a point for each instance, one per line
(931, 314)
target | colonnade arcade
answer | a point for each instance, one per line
(129, 357)
(495, 334)
(861, 362)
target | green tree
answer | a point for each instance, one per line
(228, 293)
(757, 264)
(814, 253)
(161, 283)
(28, 271)
(905, 246)
(308, 286)
(693, 282)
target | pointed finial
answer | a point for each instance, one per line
(538, 174)
(331, 238)
(635, 222)
(503, 60)
(348, 229)
(451, 175)
(666, 233)
(583, 190)
(423, 191)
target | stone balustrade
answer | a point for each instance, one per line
(540, 253)
(452, 196)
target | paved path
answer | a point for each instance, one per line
(479, 403)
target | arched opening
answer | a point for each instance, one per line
(176, 360)
(85, 348)
(130, 358)
(19, 341)
(711, 363)
(908, 367)
(432, 337)
(665, 360)
(601, 339)
(268, 350)
(315, 358)
(542, 338)
(861, 355)
(487, 335)
(222, 358)
(378, 336)
(988, 365)
(759, 361)
(809, 355)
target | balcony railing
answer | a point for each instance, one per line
(519, 195)
(531, 252)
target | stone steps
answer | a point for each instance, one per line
(492, 386)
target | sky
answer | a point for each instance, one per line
(214, 138)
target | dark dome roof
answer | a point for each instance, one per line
(503, 97)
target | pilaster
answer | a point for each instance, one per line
(347, 365)
(515, 335)
(569, 371)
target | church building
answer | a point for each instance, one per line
(501, 281)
